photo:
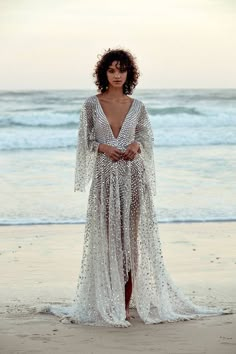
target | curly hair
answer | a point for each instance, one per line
(126, 61)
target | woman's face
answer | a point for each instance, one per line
(115, 76)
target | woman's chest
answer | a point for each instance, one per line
(106, 130)
(116, 113)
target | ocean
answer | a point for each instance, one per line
(195, 155)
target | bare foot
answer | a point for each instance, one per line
(127, 314)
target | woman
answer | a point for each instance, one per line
(122, 254)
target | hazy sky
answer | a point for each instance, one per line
(53, 44)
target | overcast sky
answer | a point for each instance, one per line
(53, 44)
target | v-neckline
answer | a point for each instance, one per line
(107, 121)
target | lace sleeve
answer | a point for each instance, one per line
(144, 136)
(87, 148)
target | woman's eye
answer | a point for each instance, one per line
(121, 71)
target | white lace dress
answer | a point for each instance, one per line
(121, 233)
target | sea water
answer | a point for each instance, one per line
(195, 155)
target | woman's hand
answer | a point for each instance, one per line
(112, 152)
(131, 151)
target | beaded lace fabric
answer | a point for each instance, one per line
(121, 233)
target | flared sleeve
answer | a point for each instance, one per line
(144, 136)
(86, 149)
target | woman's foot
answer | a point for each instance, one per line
(127, 314)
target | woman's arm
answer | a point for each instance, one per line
(143, 131)
(145, 138)
(87, 147)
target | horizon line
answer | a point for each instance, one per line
(136, 89)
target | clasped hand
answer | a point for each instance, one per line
(129, 154)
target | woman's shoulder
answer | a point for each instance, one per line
(89, 99)
(137, 100)
(140, 102)
(88, 103)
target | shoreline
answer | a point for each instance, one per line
(83, 222)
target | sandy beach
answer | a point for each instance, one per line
(40, 264)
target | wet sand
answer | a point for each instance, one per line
(40, 264)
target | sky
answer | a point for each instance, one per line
(55, 44)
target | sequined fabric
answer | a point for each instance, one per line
(121, 233)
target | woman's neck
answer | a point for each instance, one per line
(114, 92)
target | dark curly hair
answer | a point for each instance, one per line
(126, 61)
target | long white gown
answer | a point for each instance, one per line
(121, 233)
